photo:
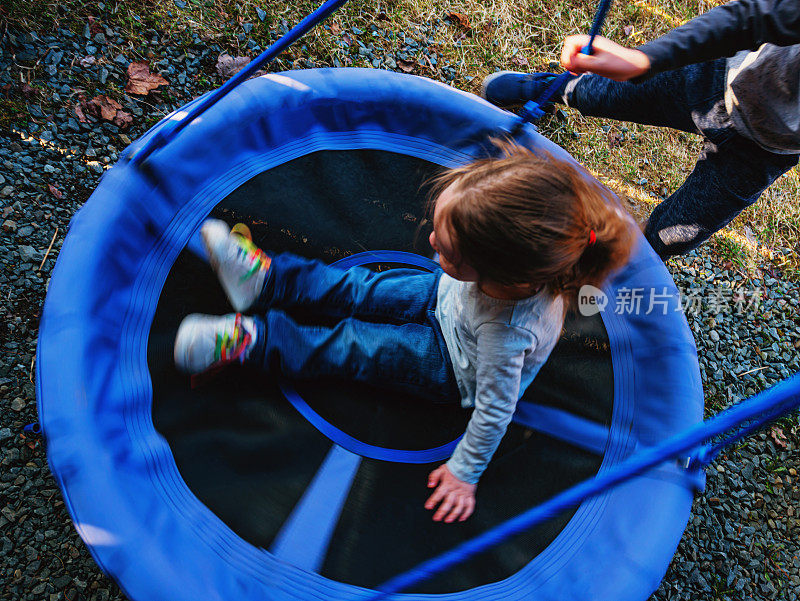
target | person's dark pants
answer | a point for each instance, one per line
(378, 328)
(731, 172)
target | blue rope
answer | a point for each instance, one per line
(170, 129)
(597, 24)
(709, 452)
(532, 111)
(34, 428)
(755, 412)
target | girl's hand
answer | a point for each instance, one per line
(607, 59)
(457, 497)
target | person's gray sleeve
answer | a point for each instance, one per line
(501, 355)
(723, 31)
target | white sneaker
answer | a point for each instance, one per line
(239, 264)
(207, 342)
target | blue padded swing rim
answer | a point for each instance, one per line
(112, 487)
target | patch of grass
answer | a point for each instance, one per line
(12, 112)
(45, 16)
(644, 164)
(712, 406)
(23, 15)
(728, 249)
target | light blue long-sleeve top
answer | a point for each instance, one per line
(497, 347)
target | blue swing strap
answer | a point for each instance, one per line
(173, 128)
(742, 419)
(532, 111)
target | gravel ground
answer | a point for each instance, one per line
(742, 539)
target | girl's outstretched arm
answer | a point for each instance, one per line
(501, 354)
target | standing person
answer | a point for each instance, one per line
(517, 237)
(732, 75)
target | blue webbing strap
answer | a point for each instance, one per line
(755, 412)
(304, 538)
(532, 111)
(708, 453)
(171, 128)
(561, 425)
(344, 440)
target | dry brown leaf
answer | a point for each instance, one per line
(520, 60)
(141, 81)
(228, 66)
(110, 110)
(461, 19)
(55, 191)
(26, 90)
(614, 139)
(106, 107)
(406, 66)
(778, 436)
(87, 61)
(123, 120)
(94, 26)
(80, 114)
(335, 29)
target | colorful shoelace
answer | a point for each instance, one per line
(229, 347)
(257, 258)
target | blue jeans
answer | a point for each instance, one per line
(731, 172)
(379, 328)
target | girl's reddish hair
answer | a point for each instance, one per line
(528, 217)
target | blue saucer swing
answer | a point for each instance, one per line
(247, 489)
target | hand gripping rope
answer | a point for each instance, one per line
(532, 111)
